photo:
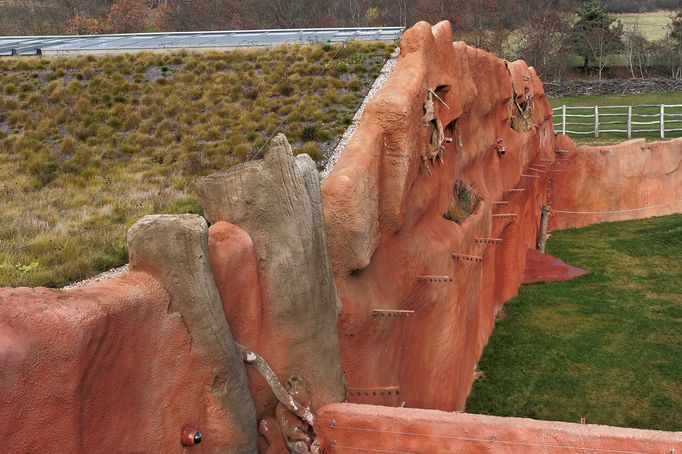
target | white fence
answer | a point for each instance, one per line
(646, 120)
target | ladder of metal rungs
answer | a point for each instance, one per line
(488, 240)
(525, 175)
(470, 258)
(434, 279)
(504, 216)
(392, 313)
(374, 391)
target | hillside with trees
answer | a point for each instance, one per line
(560, 38)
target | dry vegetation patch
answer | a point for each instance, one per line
(90, 144)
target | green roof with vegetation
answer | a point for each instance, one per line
(89, 144)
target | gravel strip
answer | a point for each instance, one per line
(100, 277)
(378, 85)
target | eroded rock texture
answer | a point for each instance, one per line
(124, 365)
(268, 251)
(384, 205)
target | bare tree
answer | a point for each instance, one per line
(294, 13)
(544, 42)
(637, 49)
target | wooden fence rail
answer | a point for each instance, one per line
(650, 119)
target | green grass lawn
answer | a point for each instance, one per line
(606, 346)
(619, 100)
(90, 144)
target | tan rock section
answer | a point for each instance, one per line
(384, 205)
(359, 428)
(124, 365)
(268, 251)
(174, 249)
(630, 180)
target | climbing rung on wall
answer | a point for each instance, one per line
(471, 258)
(514, 190)
(539, 165)
(545, 160)
(374, 391)
(561, 151)
(434, 279)
(392, 313)
(536, 170)
(501, 202)
(488, 240)
(525, 175)
(504, 215)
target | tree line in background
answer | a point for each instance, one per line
(549, 35)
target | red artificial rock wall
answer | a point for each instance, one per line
(355, 428)
(104, 368)
(630, 180)
(384, 217)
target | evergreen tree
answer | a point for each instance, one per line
(596, 35)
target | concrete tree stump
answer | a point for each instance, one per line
(174, 250)
(277, 201)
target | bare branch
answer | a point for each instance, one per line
(262, 367)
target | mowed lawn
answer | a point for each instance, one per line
(606, 346)
(89, 144)
(673, 116)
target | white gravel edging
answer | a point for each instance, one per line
(100, 277)
(378, 84)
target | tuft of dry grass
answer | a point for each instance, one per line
(89, 144)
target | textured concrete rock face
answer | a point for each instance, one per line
(631, 180)
(269, 254)
(174, 249)
(384, 205)
(361, 428)
(124, 365)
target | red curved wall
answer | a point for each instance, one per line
(384, 216)
(629, 180)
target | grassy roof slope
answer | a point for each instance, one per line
(90, 144)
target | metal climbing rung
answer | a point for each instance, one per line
(537, 170)
(488, 240)
(392, 313)
(525, 175)
(501, 202)
(514, 190)
(434, 279)
(561, 151)
(374, 391)
(504, 216)
(471, 258)
(539, 165)
(545, 160)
